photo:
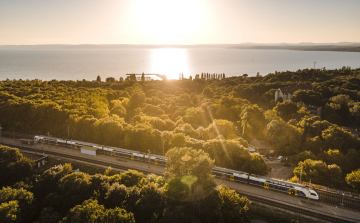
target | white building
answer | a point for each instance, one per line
(286, 93)
(88, 150)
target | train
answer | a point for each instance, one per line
(232, 175)
(267, 183)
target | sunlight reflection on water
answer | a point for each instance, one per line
(170, 62)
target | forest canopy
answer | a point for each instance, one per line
(209, 112)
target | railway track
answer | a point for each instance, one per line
(339, 200)
(252, 197)
(285, 206)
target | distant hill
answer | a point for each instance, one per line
(342, 46)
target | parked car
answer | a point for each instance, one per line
(279, 158)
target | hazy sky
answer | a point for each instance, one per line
(26, 22)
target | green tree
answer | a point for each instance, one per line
(284, 137)
(319, 173)
(48, 180)
(337, 110)
(109, 130)
(116, 195)
(178, 140)
(286, 110)
(307, 97)
(353, 179)
(302, 156)
(49, 215)
(100, 185)
(331, 157)
(222, 128)
(207, 92)
(18, 202)
(338, 139)
(10, 212)
(234, 208)
(91, 212)
(129, 178)
(118, 215)
(151, 203)
(256, 165)
(227, 153)
(191, 189)
(355, 112)
(136, 99)
(253, 122)
(119, 110)
(72, 189)
(351, 161)
(14, 166)
(186, 161)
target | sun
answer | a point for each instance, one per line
(169, 22)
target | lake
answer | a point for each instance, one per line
(78, 64)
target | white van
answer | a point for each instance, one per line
(279, 158)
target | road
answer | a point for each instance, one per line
(275, 196)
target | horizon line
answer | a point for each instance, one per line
(195, 44)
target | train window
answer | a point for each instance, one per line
(313, 194)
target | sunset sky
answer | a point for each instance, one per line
(24, 22)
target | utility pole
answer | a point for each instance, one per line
(300, 172)
(314, 64)
(163, 148)
(309, 191)
(68, 128)
(149, 158)
(42, 146)
(1, 135)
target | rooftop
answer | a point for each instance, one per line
(292, 88)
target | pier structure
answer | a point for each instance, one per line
(145, 77)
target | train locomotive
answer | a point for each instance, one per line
(232, 175)
(267, 183)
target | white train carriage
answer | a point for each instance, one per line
(57, 142)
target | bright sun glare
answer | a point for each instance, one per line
(169, 22)
(170, 62)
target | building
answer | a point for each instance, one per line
(314, 110)
(40, 160)
(259, 146)
(286, 93)
(88, 150)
